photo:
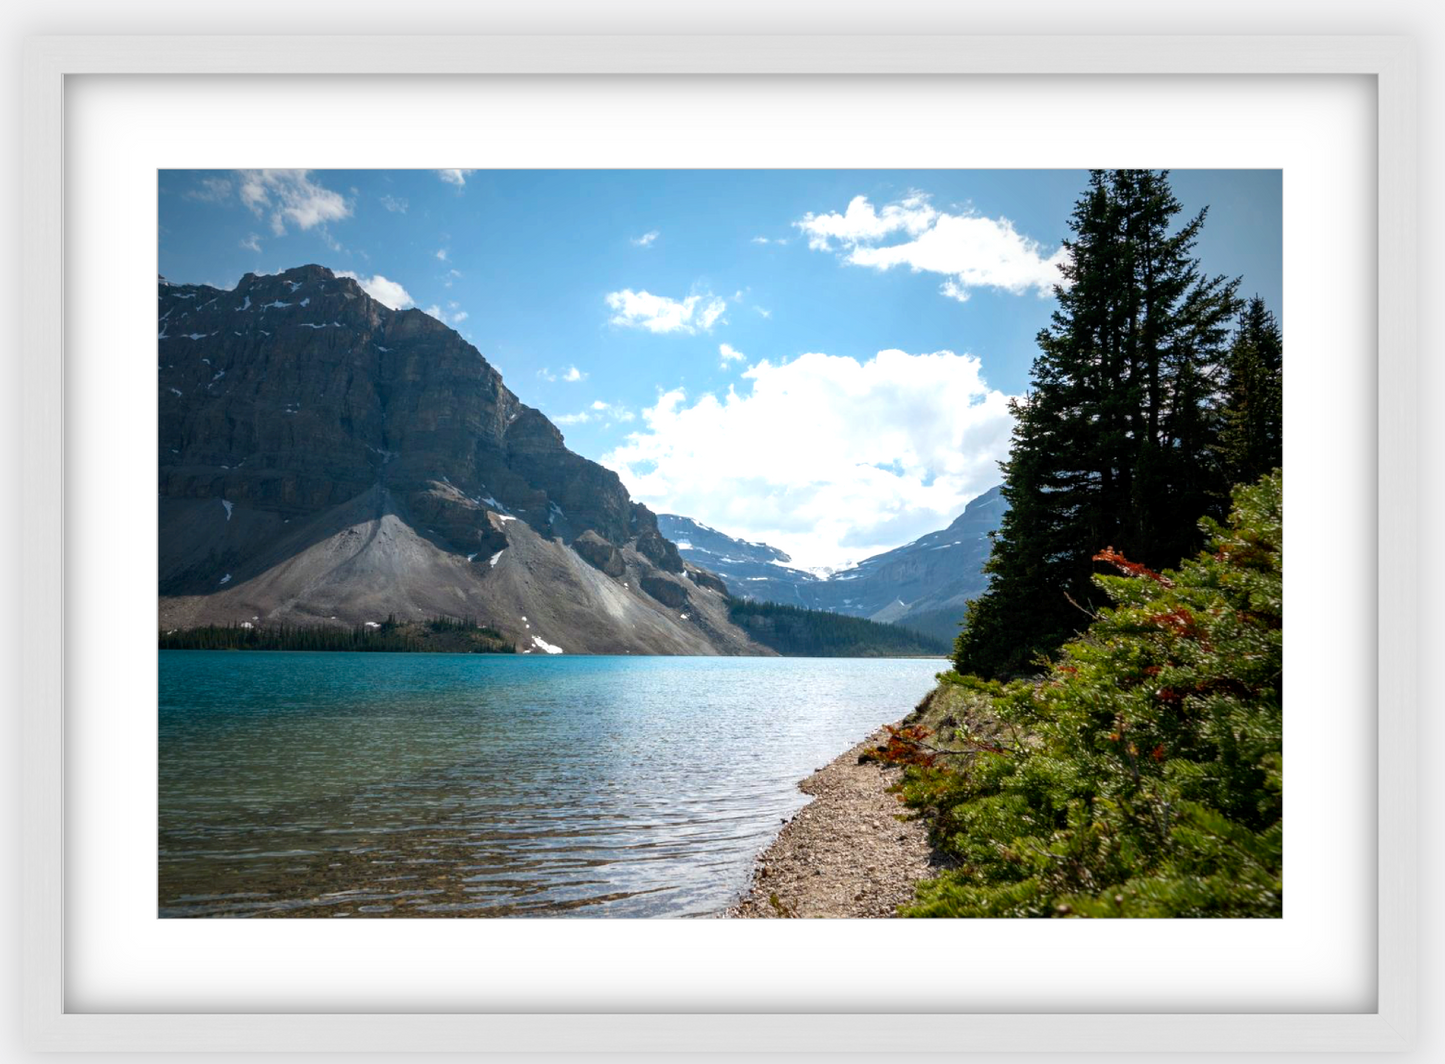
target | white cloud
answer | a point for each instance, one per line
(763, 311)
(861, 223)
(729, 353)
(970, 250)
(646, 239)
(608, 414)
(974, 252)
(953, 290)
(571, 375)
(710, 312)
(290, 196)
(659, 314)
(252, 242)
(395, 204)
(387, 293)
(442, 254)
(826, 457)
(211, 190)
(779, 240)
(455, 177)
(452, 315)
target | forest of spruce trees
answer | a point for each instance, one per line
(796, 632)
(436, 635)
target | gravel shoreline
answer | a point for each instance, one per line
(846, 853)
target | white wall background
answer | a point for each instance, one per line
(1417, 19)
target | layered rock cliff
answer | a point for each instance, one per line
(325, 459)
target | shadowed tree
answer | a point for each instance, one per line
(1115, 444)
(1251, 442)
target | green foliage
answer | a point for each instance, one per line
(440, 634)
(1118, 439)
(1142, 774)
(796, 632)
(1251, 442)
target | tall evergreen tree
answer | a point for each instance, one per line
(1115, 442)
(1251, 442)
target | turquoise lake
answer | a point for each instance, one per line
(360, 785)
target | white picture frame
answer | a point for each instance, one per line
(48, 64)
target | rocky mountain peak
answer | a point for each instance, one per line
(297, 400)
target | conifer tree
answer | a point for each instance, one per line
(1251, 442)
(1115, 442)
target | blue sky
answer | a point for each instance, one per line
(715, 336)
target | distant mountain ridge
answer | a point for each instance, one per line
(924, 585)
(753, 571)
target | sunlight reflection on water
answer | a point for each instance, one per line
(433, 784)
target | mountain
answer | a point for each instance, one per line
(924, 585)
(752, 571)
(327, 460)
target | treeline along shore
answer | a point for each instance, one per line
(438, 635)
(786, 630)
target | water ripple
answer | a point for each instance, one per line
(456, 785)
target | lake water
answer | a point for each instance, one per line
(491, 785)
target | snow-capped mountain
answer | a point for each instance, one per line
(924, 585)
(753, 571)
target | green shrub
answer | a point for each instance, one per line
(1143, 772)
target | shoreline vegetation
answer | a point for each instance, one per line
(1141, 775)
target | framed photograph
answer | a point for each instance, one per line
(618, 495)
